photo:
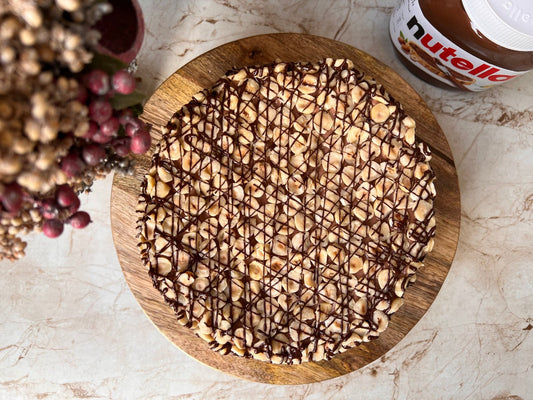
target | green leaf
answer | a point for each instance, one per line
(106, 63)
(121, 131)
(401, 35)
(137, 109)
(122, 101)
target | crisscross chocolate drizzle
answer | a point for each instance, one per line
(286, 210)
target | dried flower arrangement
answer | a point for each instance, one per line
(68, 116)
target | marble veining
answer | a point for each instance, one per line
(70, 327)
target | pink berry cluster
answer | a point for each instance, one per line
(117, 131)
(110, 132)
(63, 208)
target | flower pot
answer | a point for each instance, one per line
(122, 30)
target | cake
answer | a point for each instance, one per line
(286, 210)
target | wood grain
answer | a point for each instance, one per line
(201, 73)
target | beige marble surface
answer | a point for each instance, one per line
(70, 327)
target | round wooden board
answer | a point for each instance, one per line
(201, 73)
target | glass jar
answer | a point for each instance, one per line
(466, 44)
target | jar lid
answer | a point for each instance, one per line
(508, 23)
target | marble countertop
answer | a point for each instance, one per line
(71, 328)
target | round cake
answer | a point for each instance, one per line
(286, 210)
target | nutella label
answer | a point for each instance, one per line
(423, 45)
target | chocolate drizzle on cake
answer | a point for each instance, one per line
(286, 210)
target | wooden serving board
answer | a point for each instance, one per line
(201, 73)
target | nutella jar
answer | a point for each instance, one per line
(466, 44)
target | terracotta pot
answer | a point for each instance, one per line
(122, 30)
